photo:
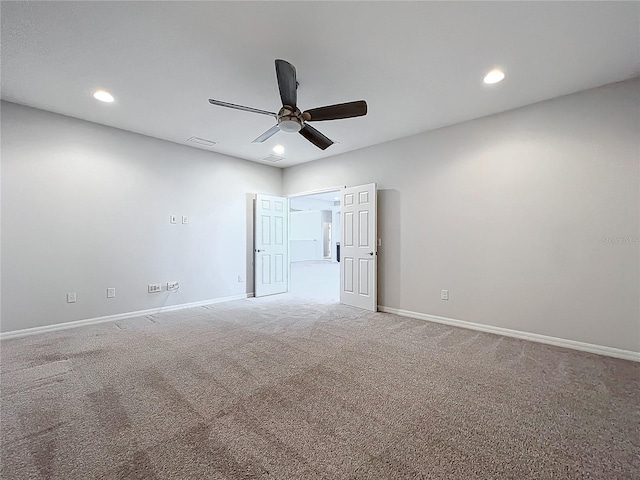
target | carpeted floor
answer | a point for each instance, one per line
(286, 388)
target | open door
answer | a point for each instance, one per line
(271, 245)
(358, 247)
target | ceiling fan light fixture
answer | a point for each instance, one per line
(494, 76)
(289, 126)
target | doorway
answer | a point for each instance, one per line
(315, 245)
(353, 211)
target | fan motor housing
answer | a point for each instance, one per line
(290, 120)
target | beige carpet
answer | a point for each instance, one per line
(282, 388)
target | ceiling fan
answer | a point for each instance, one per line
(291, 119)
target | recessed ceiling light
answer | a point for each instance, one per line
(494, 76)
(279, 149)
(103, 96)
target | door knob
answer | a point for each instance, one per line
(258, 250)
(371, 253)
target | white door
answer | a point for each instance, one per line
(271, 245)
(358, 252)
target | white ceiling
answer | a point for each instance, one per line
(419, 65)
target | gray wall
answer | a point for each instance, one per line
(530, 218)
(86, 207)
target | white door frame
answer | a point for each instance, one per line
(313, 192)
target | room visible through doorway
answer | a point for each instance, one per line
(314, 240)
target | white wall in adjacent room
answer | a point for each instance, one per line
(529, 218)
(305, 236)
(86, 207)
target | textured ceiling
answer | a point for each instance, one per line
(419, 65)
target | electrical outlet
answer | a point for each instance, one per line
(111, 292)
(155, 287)
(173, 286)
(444, 294)
(71, 297)
(240, 279)
(185, 219)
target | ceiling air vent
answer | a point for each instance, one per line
(202, 141)
(271, 158)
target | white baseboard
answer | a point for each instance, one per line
(534, 337)
(119, 316)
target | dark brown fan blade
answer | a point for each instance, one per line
(315, 137)
(335, 112)
(241, 107)
(287, 83)
(267, 135)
